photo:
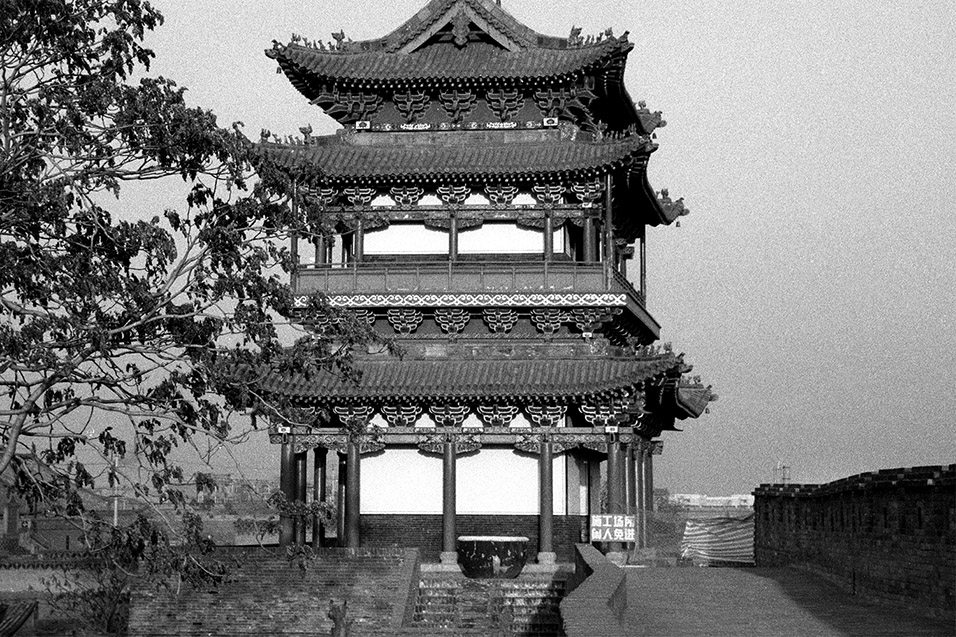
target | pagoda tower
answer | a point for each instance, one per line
(480, 205)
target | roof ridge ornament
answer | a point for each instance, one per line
(672, 209)
(461, 28)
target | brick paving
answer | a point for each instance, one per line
(758, 602)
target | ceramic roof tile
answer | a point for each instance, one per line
(475, 61)
(470, 379)
(342, 160)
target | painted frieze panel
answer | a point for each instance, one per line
(434, 443)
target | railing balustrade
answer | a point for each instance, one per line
(463, 277)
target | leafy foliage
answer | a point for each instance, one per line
(301, 512)
(122, 336)
(96, 593)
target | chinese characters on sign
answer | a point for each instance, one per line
(613, 528)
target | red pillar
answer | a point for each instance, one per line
(546, 507)
(319, 483)
(589, 240)
(287, 487)
(352, 505)
(449, 554)
(615, 484)
(340, 500)
(630, 485)
(301, 491)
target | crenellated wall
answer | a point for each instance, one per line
(887, 536)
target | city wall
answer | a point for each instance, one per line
(886, 536)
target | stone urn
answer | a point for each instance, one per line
(492, 556)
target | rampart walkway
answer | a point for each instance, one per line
(758, 602)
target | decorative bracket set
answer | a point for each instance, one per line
(547, 427)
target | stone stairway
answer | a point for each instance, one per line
(453, 604)
(265, 593)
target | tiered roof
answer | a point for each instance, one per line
(306, 66)
(466, 43)
(453, 155)
(468, 380)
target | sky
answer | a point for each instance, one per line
(813, 284)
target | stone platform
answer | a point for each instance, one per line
(758, 602)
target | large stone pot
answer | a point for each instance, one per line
(492, 556)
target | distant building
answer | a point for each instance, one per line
(697, 506)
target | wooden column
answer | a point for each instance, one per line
(321, 250)
(546, 553)
(615, 483)
(649, 481)
(287, 487)
(340, 499)
(643, 265)
(548, 236)
(319, 483)
(590, 241)
(608, 225)
(301, 493)
(630, 478)
(453, 237)
(639, 494)
(353, 519)
(359, 240)
(449, 554)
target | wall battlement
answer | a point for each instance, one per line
(887, 536)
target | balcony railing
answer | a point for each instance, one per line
(465, 277)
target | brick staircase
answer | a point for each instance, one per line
(452, 604)
(265, 594)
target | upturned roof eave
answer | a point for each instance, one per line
(417, 385)
(304, 75)
(307, 161)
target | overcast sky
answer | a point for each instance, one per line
(814, 282)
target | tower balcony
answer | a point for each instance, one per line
(477, 283)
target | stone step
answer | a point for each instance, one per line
(529, 606)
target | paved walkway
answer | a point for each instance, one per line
(758, 602)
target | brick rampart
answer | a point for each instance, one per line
(424, 532)
(887, 536)
(265, 594)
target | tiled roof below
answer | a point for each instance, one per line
(337, 158)
(520, 381)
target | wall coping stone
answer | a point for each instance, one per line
(597, 596)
